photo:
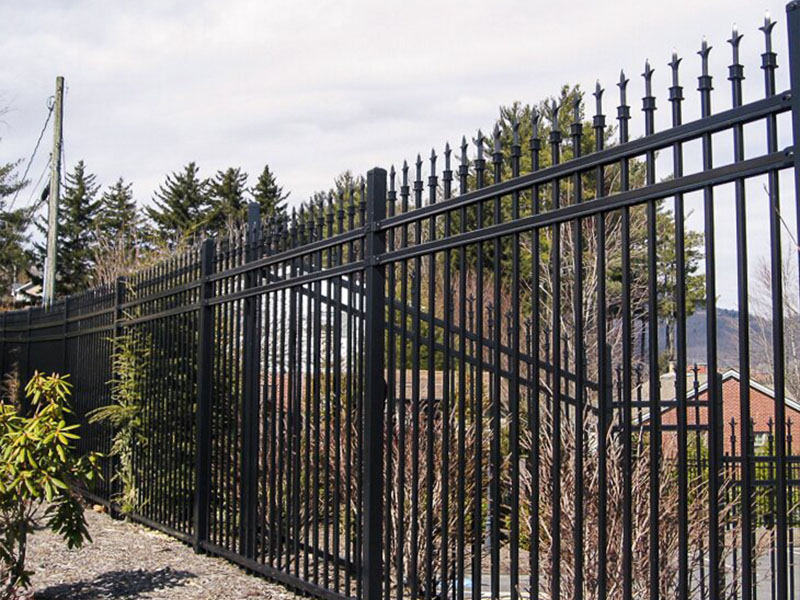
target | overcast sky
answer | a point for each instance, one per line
(316, 87)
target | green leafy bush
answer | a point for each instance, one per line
(39, 470)
(129, 362)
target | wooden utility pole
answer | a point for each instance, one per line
(48, 294)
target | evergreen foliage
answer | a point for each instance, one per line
(12, 229)
(269, 195)
(119, 217)
(227, 201)
(180, 205)
(78, 218)
(129, 365)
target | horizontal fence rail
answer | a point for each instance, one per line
(475, 376)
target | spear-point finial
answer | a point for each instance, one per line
(391, 177)
(419, 167)
(598, 97)
(433, 161)
(447, 152)
(479, 143)
(464, 146)
(648, 78)
(496, 136)
(535, 123)
(767, 29)
(736, 37)
(674, 64)
(623, 86)
(330, 201)
(554, 108)
(704, 51)
(515, 131)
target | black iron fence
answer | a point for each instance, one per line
(426, 386)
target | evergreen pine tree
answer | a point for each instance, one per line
(12, 229)
(269, 194)
(119, 217)
(180, 205)
(9, 182)
(227, 199)
(77, 229)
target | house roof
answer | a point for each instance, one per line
(28, 288)
(667, 382)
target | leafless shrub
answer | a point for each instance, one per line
(613, 490)
(10, 385)
(129, 254)
(762, 305)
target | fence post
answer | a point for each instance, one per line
(119, 300)
(64, 331)
(793, 34)
(24, 375)
(374, 384)
(3, 344)
(205, 357)
(793, 26)
(715, 464)
(250, 367)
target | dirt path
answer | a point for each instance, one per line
(130, 561)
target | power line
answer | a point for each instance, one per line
(33, 209)
(33, 154)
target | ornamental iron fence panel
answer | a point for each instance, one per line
(452, 380)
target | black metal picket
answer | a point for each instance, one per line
(444, 398)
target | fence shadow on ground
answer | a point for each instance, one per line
(117, 584)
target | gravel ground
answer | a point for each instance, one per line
(126, 560)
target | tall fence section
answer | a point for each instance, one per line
(454, 379)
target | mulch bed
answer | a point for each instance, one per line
(127, 560)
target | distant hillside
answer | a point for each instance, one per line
(727, 338)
